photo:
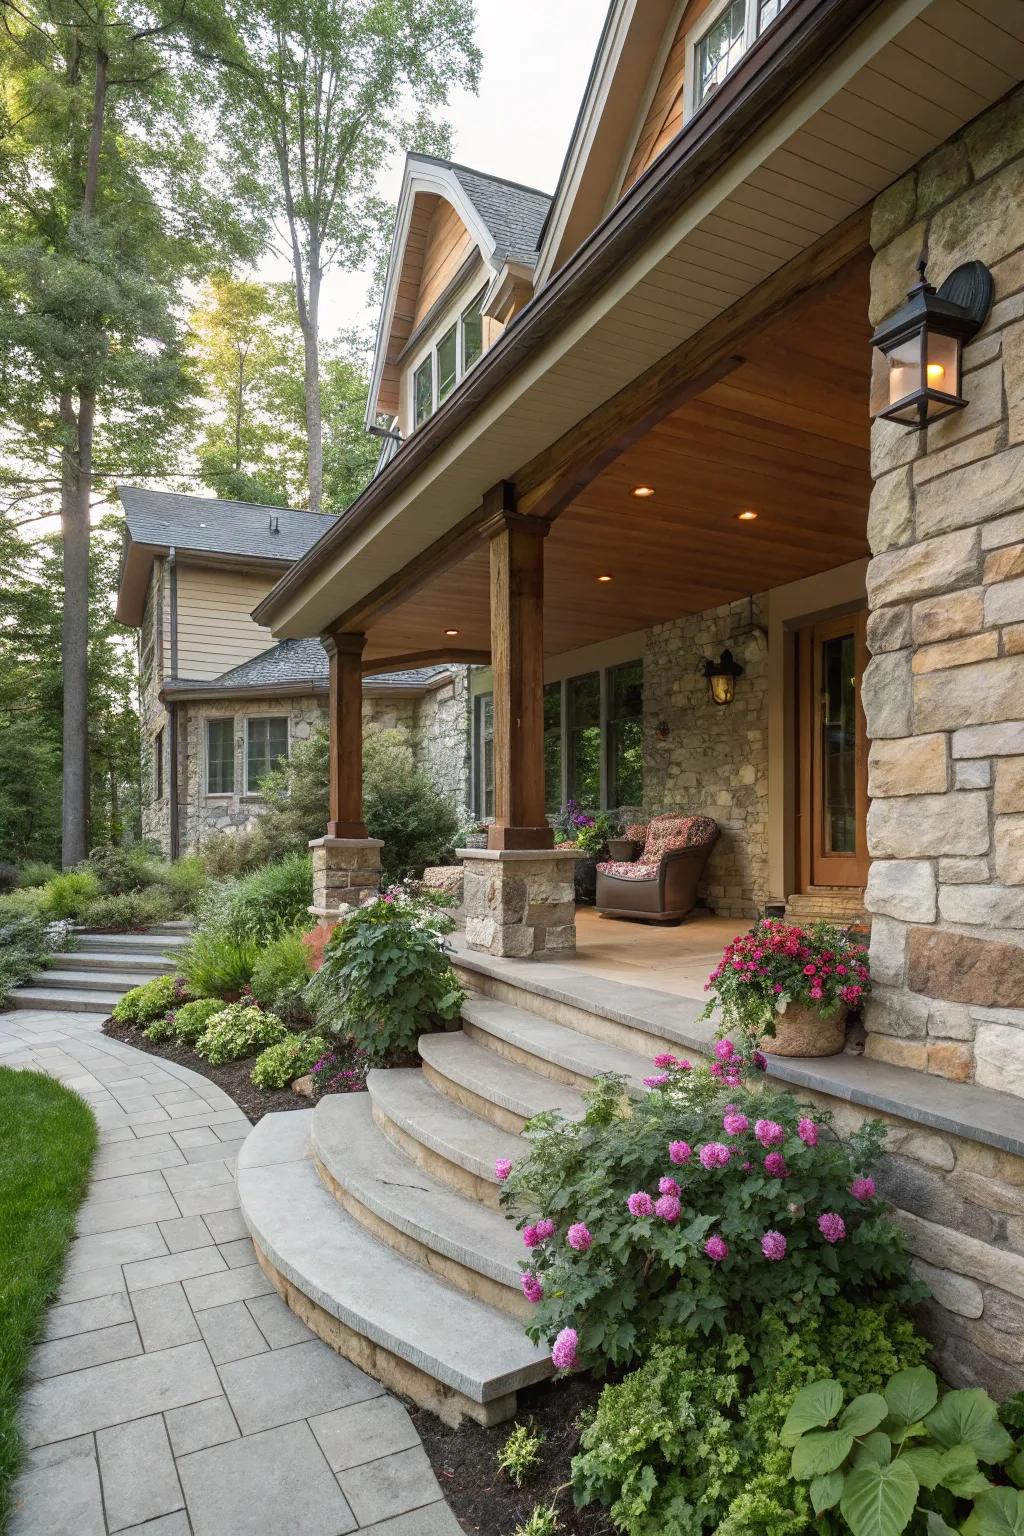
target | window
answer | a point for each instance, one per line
(266, 745)
(483, 755)
(220, 757)
(583, 740)
(552, 747)
(472, 332)
(718, 48)
(158, 765)
(626, 734)
(423, 390)
(448, 361)
(447, 351)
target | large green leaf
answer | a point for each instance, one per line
(911, 1394)
(864, 1414)
(825, 1491)
(879, 1501)
(822, 1450)
(926, 1464)
(1015, 1470)
(812, 1408)
(969, 1417)
(1000, 1512)
(937, 1526)
(876, 1447)
(960, 1472)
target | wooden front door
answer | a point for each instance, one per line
(832, 754)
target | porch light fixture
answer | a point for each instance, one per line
(923, 341)
(451, 631)
(721, 678)
(604, 578)
(748, 515)
(643, 491)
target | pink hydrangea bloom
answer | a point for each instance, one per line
(640, 1203)
(685, 1066)
(715, 1154)
(531, 1237)
(664, 1059)
(657, 1081)
(579, 1236)
(716, 1248)
(808, 1132)
(667, 1186)
(533, 1286)
(565, 1348)
(735, 1125)
(775, 1166)
(502, 1168)
(769, 1133)
(668, 1208)
(679, 1151)
(545, 1228)
(773, 1245)
(723, 1049)
(863, 1189)
(831, 1226)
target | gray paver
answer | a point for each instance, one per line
(113, 1394)
(377, 1490)
(84, 1284)
(238, 1253)
(127, 1186)
(226, 1226)
(61, 1497)
(278, 1323)
(167, 1525)
(230, 1333)
(435, 1520)
(80, 1350)
(185, 1233)
(233, 1285)
(116, 1247)
(196, 1136)
(200, 1425)
(172, 1266)
(215, 1197)
(293, 1383)
(364, 1432)
(137, 1473)
(275, 1481)
(115, 1215)
(84, 1316)
(164, 1317)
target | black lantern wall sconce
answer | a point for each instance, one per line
(923, 342)
(721, 678)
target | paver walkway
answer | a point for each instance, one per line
(173, 1391)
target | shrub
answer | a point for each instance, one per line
(67, 895)
(386, 977)
(341, 1069)
(695, 1207)
(37, 872)
(281, 971)
(152, 1000)
(217, 964)
(520, 1455)
(191, 1019)
(401, 805)
(230, 854)
(281, 1064)
(130, 909)
(264, 904)
(778, 964)
(237, 1031)
(185, 880)
(10, 876)
(26, 942)
(121, 869)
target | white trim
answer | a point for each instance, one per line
(451, 319)
(700, 29)
(250, 720)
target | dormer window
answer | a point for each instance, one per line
(423, 389)
(448, 361)
(720, 40)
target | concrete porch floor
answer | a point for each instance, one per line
(670, 958)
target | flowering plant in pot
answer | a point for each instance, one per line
(790, 987)
(588, 835)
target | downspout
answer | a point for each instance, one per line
(172, 713)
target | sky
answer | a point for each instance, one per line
(536, 58)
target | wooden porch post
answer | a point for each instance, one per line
(345, 813)
(517, 663)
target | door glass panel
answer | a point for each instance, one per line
(839, 745)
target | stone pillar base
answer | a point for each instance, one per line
(345, 871)
(519, 901)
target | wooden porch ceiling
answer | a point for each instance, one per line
(785, 433)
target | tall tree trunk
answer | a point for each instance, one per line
(311, 354)
(74, 524)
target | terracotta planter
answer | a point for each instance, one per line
(800, 1031)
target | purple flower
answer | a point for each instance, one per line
(668, 1208)
(715, 1154)
(773, 1245)
(579, 1236)
(533, 1288)
(667, 1186)
(679, 1152)
(769, 1133)
(807, 1131)
(531, 1237)
(545, 1228)
(502, 1168)
(831, 1226)
(664, 1059)
(685, 1066)
(564, 1350)
(723, 1049)
(760, 1061)
(716, 1248)
(640, 1203)
(775, 1166)
(735, 1125)
(863, 1189)
(657, 1081)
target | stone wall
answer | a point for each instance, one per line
(944, 691)
(443, 722)
(713, 759)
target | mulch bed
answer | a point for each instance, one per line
(485, 1501)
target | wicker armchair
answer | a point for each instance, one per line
(660, 885)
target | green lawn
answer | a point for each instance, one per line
(47, 1140)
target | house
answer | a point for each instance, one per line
(729, 524)
(220, 701)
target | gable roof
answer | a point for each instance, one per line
(300, 665)
(513, 214)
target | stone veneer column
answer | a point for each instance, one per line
(519, 901)
(345, 870)
(944, 691)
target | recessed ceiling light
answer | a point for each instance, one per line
(643, 490)
(451, 631)
(604, 578)
(746, 517)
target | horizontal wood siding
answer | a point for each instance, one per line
(215, 631)
(665, 115)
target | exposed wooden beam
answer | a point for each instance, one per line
(465, 658)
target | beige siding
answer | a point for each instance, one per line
(215, 631)
(665, 114)
(449, 242)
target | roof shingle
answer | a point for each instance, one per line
(165, 518)
(294, 662)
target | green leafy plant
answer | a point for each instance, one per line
(237, 1031)
(142, 1005)
(282, 972)
(264, 903)
(542, 1521)
(281, 1064)
(386, 977)
(218, 964)
(26, 943)
(520, 1454)
(130, 909)
(889, 1456)
(122, 868)
(185, 880)
(67, 895)
(777, 965)
(191, 1019)
(401, 805)
(35, 872)
(693, 1207)
(341, 1069)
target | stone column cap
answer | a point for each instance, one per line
(514, 855)
(347, 842)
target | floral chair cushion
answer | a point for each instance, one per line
(637, 833)
(666, 833)
(629, 870)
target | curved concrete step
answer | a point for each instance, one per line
(491, 1086)
(450, 1142)
(64, 1000)
(469, 1244)
(548, 1048)
(144, 966)
(88, 981)
(447, 1351)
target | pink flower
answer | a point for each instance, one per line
(679, 1152)
(545, 1228)
(723, 1049)
(863, 1189)
(746, 1167)
(760, 1061)
(533, 1288)
(531, 1237)
(565, 1348)
(657, 1081)
(640, 1203)
(502, 1168)
(769, 1133)
(775, 1166)
(668, 1208)
(831, 1226)
(664, 1059)
(715, 1154)
(685, 1066)
(807, 1130)
(810, 970)
(773, 1245)
(735, 1125)
(716, 1248)
(579, 1236)
(667, 1186)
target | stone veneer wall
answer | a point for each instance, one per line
(944, 691)
(443, 724)
(714, 759)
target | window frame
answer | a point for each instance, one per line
(219, 794)
(481, 786)
(158, 765)
(429, 357)
(251, 720)
(752, 32)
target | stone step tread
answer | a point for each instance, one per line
(405, 1097)
(358, 1156)
(88, 981)
(554, 1042)
(144, 967)
(491, 1077)
(135, 943)
(65, 1000)
(311, 1240)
